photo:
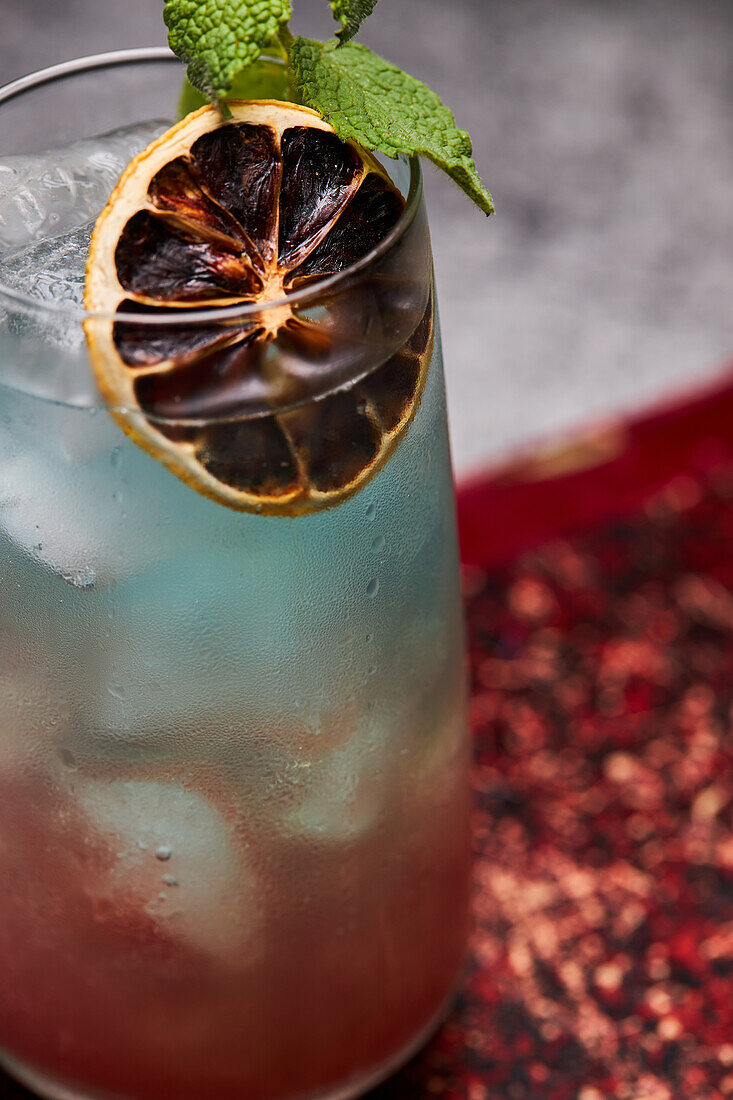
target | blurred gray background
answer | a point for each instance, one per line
(604, 129)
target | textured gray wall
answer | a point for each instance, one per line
(604, 127)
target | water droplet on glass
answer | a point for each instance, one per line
(163, 853)
(116, 457)
(81, 578)
(371, 511)
(170, 880)
(372, 669)
(142, 845)
(372, 588)
(370, 637)
(92, 411)
(378, 542)
(68, 759)
(116, 689)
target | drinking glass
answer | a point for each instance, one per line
(234, 851)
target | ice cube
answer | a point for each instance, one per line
(48, 203)
(46, 194)
(51, 270)
(31, 713)
(54, 515)
(173, 856)
(341, 792)
(64, 495)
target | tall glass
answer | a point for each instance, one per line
(234, 853)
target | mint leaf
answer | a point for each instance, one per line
(218, 38)
(373, 103)
(352, 14)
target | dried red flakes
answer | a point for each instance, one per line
(602, 955)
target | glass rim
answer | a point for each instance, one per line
(310, 294)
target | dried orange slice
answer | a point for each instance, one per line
(217, 213)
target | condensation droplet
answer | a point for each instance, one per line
(372, 669)
(80, 578)
(372, 588)
(117, 690)
(370, 637)
(378, 542)
(170, 880)
(116, 457)
(163, 853)
(371, 511)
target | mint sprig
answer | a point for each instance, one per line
(366, 99)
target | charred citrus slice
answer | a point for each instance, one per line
(219, 213)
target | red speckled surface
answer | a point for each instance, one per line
(601, 636)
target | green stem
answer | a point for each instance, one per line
(286, 39)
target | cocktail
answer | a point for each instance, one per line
(233, 756)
